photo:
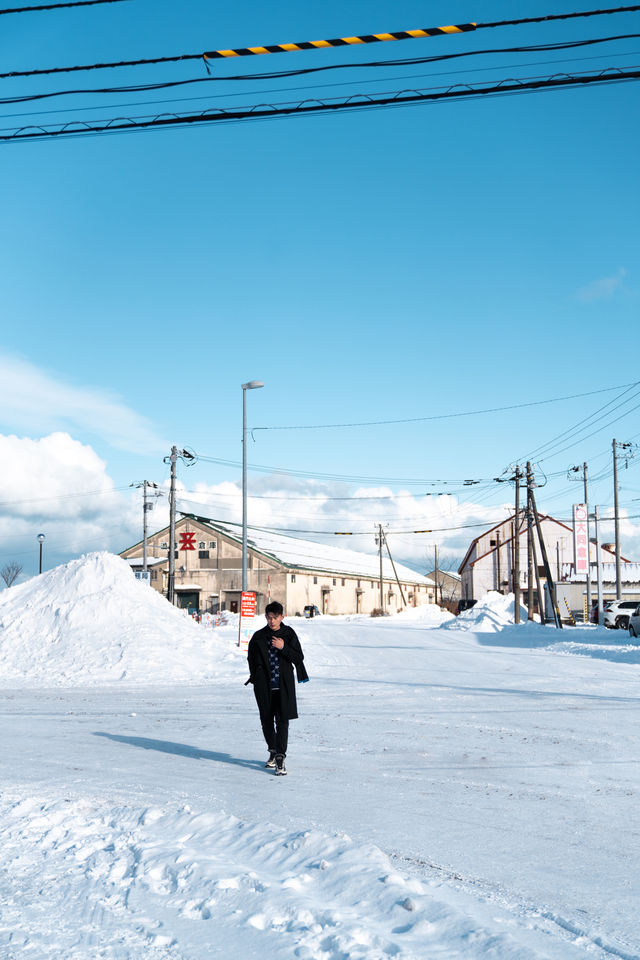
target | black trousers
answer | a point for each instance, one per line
(275, 727)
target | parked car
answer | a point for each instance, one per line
(617, 613)
(634, 623)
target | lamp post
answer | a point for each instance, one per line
(40, 538)
(252, 385)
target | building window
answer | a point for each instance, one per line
(358, 583)
(372, 584)
(334, 582)
(201, 545)
(315, 579)
(343, 581)
(154, 574)
(293, 578)
(164, 545)
(203, 554)
(212, 544)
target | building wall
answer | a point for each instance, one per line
(483, 571)
(348, 594)
(218, 578)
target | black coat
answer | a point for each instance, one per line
(260, 676)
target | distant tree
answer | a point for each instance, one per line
(10, 572)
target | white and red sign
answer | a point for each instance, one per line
(247, 618)
(580, 539)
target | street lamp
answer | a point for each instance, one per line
(40, 538)
(252, 385)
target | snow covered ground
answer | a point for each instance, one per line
(457, 788)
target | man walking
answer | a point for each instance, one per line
(273, 652)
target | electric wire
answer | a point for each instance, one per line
(285, 74)
(316, 44)
(447, 416)
(57, 6)
(355, 103)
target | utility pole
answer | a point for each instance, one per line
(498, 561)
(395, 572)
(146, 506)
(599, 568)
(616, 516)
(172, 526)
(379, 538)
(516, 548)
(547, 566)
(586, 504)
(529, 546)
(435, 552)
(184, 456)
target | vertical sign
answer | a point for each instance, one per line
(247, 617)
(580, 542)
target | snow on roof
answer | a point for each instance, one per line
(309, 555)
(629, 573)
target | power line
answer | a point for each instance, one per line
(317, 106)
(285, 74)
(57, 6)
(447, 416)
(316, 44)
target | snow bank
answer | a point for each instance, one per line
(91, 622)
(494, 611)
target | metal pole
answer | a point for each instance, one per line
(616, 522)
(516, 554)
(586, 505)
(244, 487)
(599, 568)
(172, 527)
(436, 571)
(40, 570)
(144, 526)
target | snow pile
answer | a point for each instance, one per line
(91, 622)
(427, 615)
(493, 612)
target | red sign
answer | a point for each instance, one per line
(248, 605)
(187, 541)
(247, 614)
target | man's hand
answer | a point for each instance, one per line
(277, 642)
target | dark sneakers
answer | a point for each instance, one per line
(271, 762)
(281, 770)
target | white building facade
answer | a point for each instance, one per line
(298, 573)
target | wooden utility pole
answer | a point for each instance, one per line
(547, 566)
(616, 520)
(435, 573)
(380, 535)
(529, 546)
(516, 549)
(498, 561)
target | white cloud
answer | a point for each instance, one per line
(35, 402)
(603, 288)
(305, 505)
(58, 486)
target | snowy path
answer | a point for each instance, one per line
(448, 796)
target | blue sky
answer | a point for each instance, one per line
(385, 265)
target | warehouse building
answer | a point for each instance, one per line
(298, 573)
